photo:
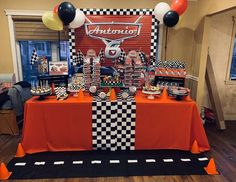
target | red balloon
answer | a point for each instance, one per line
(55, 9)
(179, 6)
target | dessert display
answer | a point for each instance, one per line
(76, 84)
(151, 90)
(124, 95)
(102, 95)
(133, 69)
(128, 73)
(96, 73)
(91, 69)
(132, 90)
(155, 89)
(93, 90)
(178, 92)
(87, 75)
(40, 88)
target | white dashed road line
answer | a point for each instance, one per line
(20, 164)
(39, 163)
(58, 163)
(96, 162)
(132, 161)
(114, 161)
(185, 160)
(168, 160)
(77, 162)
(150, 160)
(203, 159)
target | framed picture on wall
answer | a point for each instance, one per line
(58, 68)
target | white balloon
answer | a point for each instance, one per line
(160, 10)
(78, 20)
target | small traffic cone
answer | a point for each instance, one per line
(164, 94)
(81, 94)
(20, 151)
(112, 95)
(211, 167)
(4, 173)
(195, 148)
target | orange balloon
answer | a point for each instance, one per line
(179, 6)
(55, 9)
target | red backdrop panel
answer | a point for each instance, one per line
(143, 41)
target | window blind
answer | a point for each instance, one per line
(32, 28)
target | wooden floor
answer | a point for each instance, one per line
(223, 149)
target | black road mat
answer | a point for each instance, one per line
(105, 163)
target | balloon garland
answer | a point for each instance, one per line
(66, 14)
(169, 15)
(63, 14)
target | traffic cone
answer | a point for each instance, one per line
(4, 173)
(164, 94)
(195, 148)
(113, 95)
(211, 167)
(81, 94)
(20, 151)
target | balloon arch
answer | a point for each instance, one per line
(65, 14)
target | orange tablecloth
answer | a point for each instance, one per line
(52, 125)
(165, 123)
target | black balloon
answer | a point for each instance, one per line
(66, 12)
(171, 18)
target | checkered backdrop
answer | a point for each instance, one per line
(131, 12)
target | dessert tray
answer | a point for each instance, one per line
(178, 92)
(151, 91)
(41, 92)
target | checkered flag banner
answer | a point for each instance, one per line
(142, 57)
(79, 59)
(121, 58)
(101, 55)
(152, 61)
(34, 57)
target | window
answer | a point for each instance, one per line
(30, 33)
(47, 49)
(233, 64)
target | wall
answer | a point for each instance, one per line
(219, 51)
(177, 44)
(219, 46)
(180, 38)
(206, 7)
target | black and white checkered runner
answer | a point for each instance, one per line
(113, 124)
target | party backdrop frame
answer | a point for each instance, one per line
(154, 28)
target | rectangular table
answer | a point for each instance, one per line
(52, 125)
